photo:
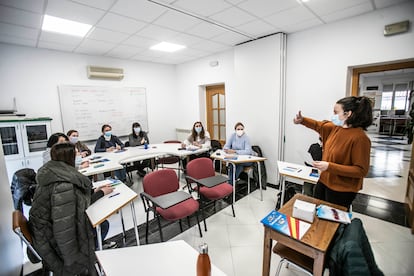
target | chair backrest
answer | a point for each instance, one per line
(20, 227)
(200, 168)
(215, 145)
(160, 182)
(127, 144)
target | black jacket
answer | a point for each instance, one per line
(23, 187)
(62, 233)
(102, 144)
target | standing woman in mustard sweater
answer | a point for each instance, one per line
(346, 150)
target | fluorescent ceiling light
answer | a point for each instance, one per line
(167, 47)
(64, 26)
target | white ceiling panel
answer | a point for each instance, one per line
(17, 40)
(176, 21)
(90, 46)
(202, 7)
(326, 7)
(258, 28)
(56, 46)
(139, 9)
(20, 17)
(107, 35)
(18, 31)
(73, 11)
(139, 41)
(121, 24)
(262, 8)
(290, 17)
(230, 38)
(124, 52)
(157, 33)
(27, 5)
(347, 13)
(60, 38)
(99, 4)
(128, 28)
(205, 30)
(233, 17)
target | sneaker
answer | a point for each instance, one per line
(108, 245)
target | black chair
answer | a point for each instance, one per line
(170, 159)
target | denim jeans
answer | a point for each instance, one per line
(239, 169)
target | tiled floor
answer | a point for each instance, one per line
(236, 244)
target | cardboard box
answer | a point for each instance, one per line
(304, 210)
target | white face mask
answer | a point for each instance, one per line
(137, 130)
(73, 140)
(239, 132)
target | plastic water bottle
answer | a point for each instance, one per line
(146, 145)
(203, 261)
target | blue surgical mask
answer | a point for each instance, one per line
(73, 140)
(198, 129)
(137, 130)
(108, 133)
(78, 160)
(336, 121)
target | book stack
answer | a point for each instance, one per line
(287, 225)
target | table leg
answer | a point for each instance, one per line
(260, 181)
(98, 235)
(318, 264)
(267, 253)
(134, 219)
(234, 182)
(282, 183)
(123, 226)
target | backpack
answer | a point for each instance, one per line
(23, 187)
(259, 153)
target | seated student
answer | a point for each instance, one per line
(238, 143)
(62, 233)
(82, 148)
(55, 138)
(107, 143)
(138, 137)
(199, 138)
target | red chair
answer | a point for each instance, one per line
(161, 196)
(200, 168)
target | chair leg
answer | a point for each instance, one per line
(279, 267)
(181, 225)
(146, 228)
(248, 182)
(198, 223)
(188, 221)
(159, 228)
(232, 208)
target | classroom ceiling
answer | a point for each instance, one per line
(126, 29)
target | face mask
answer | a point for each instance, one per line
(137, 130)
(239, 132)
(73, 140)
(108, 133)
(336, 121)
(198, 129)
(78, 160)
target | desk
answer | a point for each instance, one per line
(104, 207)
(314, 243)
(300, 172)
(173, 258)
(220, 155)
(392, 122)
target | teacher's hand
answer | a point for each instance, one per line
(321, 165)
(298, 118)
(110, 149)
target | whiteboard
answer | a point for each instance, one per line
(87, 108)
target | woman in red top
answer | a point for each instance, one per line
(346, 150)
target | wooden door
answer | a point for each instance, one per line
(216, 112)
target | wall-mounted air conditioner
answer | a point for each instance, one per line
(97, 72)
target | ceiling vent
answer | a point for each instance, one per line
(96, 72)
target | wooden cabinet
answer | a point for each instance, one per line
(24, 141)
(409, 197)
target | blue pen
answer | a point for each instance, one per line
(114, 195)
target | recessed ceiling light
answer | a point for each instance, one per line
(167, 47)
(64, 26)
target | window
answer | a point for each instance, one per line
(395, 97)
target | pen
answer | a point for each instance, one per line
(299, 170)
(114, 195)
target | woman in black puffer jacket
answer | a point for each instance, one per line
(62, 233)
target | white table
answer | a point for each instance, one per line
(297, 171)
(221, 156)
(104, 207)
(173, 258)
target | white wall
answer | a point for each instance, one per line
(33, 75)
(318, 61)
(250, 73)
